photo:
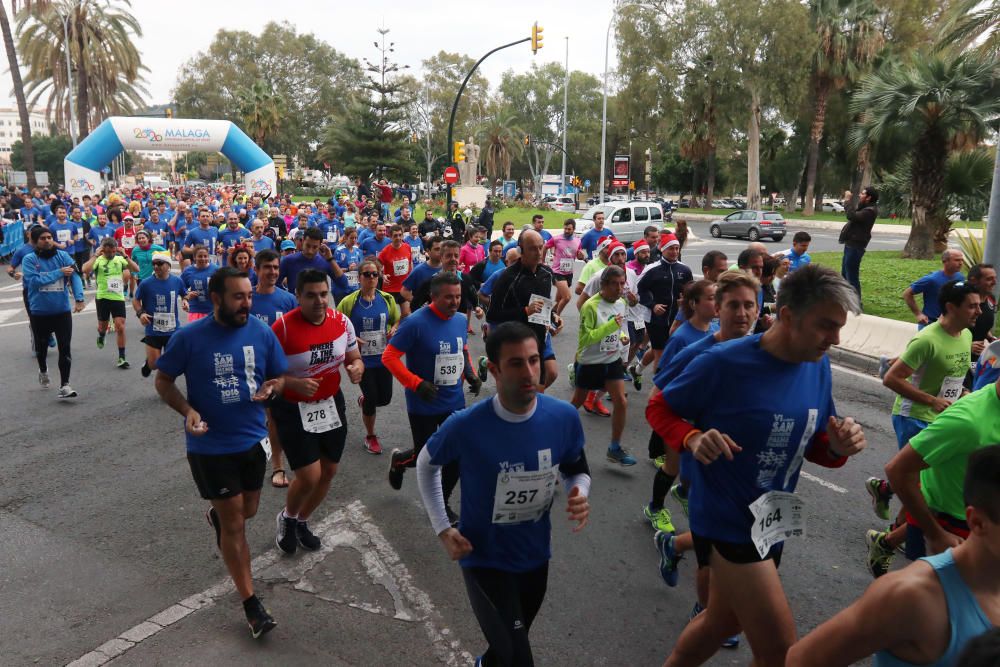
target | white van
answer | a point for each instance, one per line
(626, 219)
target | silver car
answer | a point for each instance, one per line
(752, 225)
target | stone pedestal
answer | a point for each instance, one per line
(470, 195)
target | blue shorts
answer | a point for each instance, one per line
(906, 428)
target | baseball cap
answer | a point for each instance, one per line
(288, 245)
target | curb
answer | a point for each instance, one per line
(857, 361)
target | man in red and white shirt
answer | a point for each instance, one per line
(397, 262)
(310, 415)
(125, 235)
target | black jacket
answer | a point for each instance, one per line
(860, 220)
(512, 291)
(486, 220)
(662, 284)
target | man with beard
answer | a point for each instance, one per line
(232, 362)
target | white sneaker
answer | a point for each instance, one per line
(43, 379)
(66, 391)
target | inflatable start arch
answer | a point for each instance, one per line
(117, 134)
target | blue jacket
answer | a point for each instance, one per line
(46, 283)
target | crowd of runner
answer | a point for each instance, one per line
(266, 305)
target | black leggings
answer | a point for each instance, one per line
(423, 427)
(43, 326)
(505, 604)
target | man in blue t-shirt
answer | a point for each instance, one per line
(930, 285)
(155, 305)
(590, 238)
(434, 341)
(204, 234)
(232, 363)
(375, 244)
(314, 255)
(749, 447)
(270, 301)
(523, 441)
(233, 234)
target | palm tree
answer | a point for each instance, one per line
(501, 139)
(848, 42)
(28, 151)
(107, 67)
(945, 102)
(968, 21)
(260, 108)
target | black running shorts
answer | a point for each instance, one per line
(108, 308)
(302, 447)
(734, 552)
(376, 387)
(593, 376)
(227, 475)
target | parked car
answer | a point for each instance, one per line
(626, 220)
(753, 225)
(564, 204)
(833, 207)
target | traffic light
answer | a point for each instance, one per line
(536, 37)
(459, 151)
(527, 140)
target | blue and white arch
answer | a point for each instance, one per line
(117, 134)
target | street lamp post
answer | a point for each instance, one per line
(69, 76)
(604, 110)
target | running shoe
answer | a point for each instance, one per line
(675, 493)
(729, 642)
(213, 520)
(66, 391)
(880, 554)
(595, 407)
(658, 519)
(396, 470)
(621, 456)
(372, 445)
(883, 366)
(880, 495)
(627, 377)
(307, 540)
(571, 375)
(52, 340)
(482, 369)
(259, 620)
(285, 538)
(43, 379)
(658, 461)
(668, 557)
(637, 381)
(100, 342)
(123, 364)
(145, 370)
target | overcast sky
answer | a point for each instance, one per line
(174, 31)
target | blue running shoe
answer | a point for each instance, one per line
(730, 642)
(52, 340)
(668, 557)
(621, 456)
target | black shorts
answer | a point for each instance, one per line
(594, 376)
(376, 387)
(734, 552)
(158, 342)
(398, 298)
(301, 447)
(560, 278)
(658, 332)
(657, 447)
(108, 308)
(227, 475)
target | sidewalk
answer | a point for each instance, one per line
(356, 585)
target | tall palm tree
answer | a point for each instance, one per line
(27, 149)
(848, 42)
(106, 66)
(501, 139)
(945, 102)
(973, 24)
(260, 109)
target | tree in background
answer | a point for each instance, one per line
(501, 140)
(314, 81)
(28, 153)
(942, 103)
(107, 67)
(49, 155)
(261, 113)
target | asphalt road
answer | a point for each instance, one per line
(103, 530)
(822, 240)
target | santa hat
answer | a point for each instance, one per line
(605, 243)
(614, 247)
(640, 245)
(667, 239)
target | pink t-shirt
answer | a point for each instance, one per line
(563, 254)
(470, 255)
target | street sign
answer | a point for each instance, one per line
(510, 189)
(586, 183)
(620, 175)
(451, 175)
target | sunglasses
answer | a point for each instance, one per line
(370, 274)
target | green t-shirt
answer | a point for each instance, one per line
(939, 362)
(591, 268)
(104, 269)
(144, 258)
(970, 424)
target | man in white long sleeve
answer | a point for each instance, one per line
(509, 482)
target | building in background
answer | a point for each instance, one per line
(10, 129)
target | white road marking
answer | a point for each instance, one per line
(851, 371)
(822, 482)
(8, 313)
(350, 527)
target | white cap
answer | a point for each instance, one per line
(162, 257)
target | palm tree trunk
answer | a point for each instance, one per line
(815, 136)
(753, 153)
(27, 149)
(929, 160)
(709, 180)
(82, 88)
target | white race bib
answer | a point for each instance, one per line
(543, 317)
(448, 369)
(400, 267)
(523, 496)
(158, 239)
(266, 446)
(372, 343)
(352, 278)
(776, 517)
(951, 388)
(128, 242)
(320, 416)
(57, 285)
(63, 235)
(566, 265)
(610, 343)
(116, 285)
(164, 322)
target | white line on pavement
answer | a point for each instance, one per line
(851, 371)
(822, 482)
(351, 527)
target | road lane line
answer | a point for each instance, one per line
(822, 482)
(352, 527)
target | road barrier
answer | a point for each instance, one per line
(13, 238)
